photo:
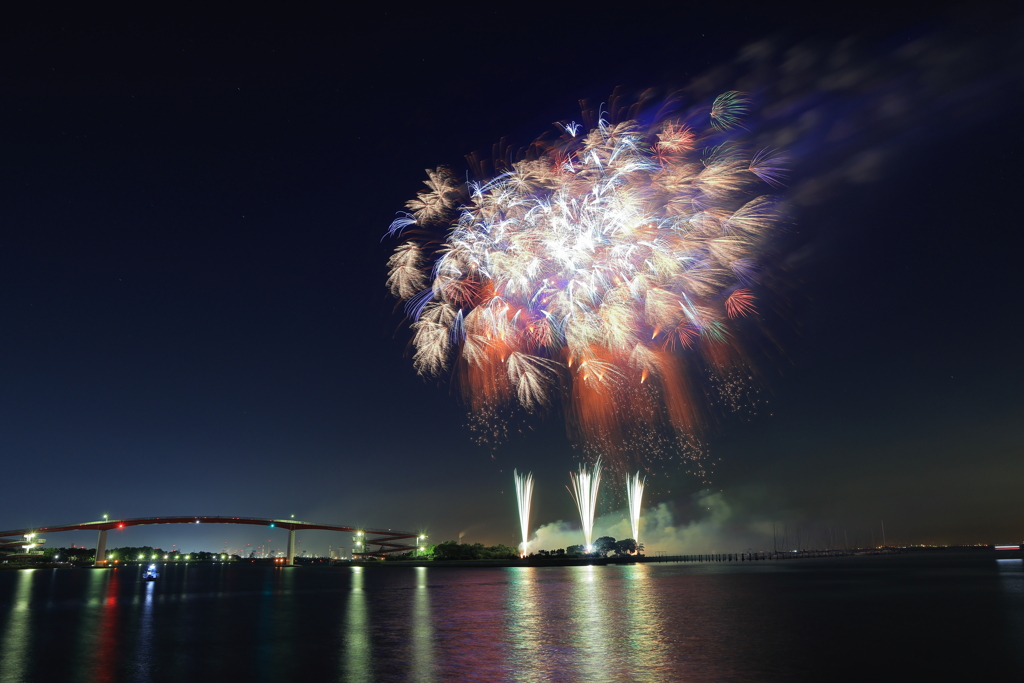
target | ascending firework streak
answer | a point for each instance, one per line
(607, 266)
(524, 492)
(584, 492)
(635, 492)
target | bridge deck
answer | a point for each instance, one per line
(290, 524)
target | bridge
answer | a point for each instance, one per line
(387, 541)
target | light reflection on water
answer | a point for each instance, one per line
(594, 610)
(1011, 577)
(355, 633)
(14, 645)
(752, 622)
(422, 666)
(144, 643)
(645, 640)
(525, 621)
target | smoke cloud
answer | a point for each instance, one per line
(720, 528)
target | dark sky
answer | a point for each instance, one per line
(193, 318)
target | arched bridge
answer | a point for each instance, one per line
(388, 541)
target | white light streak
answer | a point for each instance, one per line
(634, 493)
(584, 492)
(524, 494)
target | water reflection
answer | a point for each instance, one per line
(525, 624)
(355, 664)
(1011, 578)
(285, 621)
(636, 623)
(265, 622)
(17, 636)
(592, 610)
(144, 643)
(106, 646)
(423, 667)
(644, 639)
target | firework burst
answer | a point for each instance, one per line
(602, 272)
(524, 494)
(584, 491)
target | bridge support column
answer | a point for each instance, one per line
(291, 547)
(101, 546)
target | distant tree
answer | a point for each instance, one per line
(77, 554)
(397, 557)
(574, 551)
(452, 550)
(604, 545)
(626, 546)
(501, 552)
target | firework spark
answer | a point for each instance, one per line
(584, 492)
(602, 272)
(635, 493)
(727, 110)
(524, 494)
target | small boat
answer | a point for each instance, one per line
(151, 573)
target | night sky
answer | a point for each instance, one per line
(193, 317)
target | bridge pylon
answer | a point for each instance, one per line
(101, 549)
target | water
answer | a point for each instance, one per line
(915, 615)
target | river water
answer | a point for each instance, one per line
(913, 616)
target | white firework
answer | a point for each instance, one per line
(594, 273)
(584, 492)
(524, 494)
(634, 493)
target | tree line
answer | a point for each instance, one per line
(453, 550)
(604, 546)
(128, 554)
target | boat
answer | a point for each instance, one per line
(151, 573)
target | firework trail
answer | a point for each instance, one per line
(634, 493)
(584, 492)
(604, 271)
(524, 494)
(728, 109)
